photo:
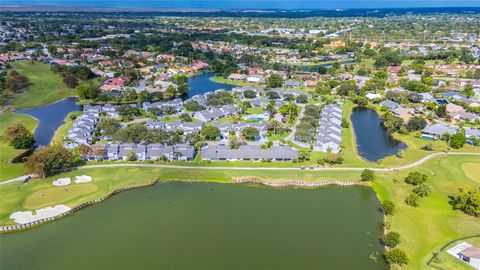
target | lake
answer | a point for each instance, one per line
(50, 117)
(373, 140)
(202, 84)
(209, 226)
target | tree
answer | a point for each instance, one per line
(45, 160)
(441, 111)
(415, 178)
(193, 106)
(422, 190)
(302, 99)
(249, 93)
(19, 137)
(15, 82)
(108, 126)
(170, 92)
(388, 207)
(368, 175)
(412, 199)
(457, 140)
(210, 133)
(250, 133)
(22, 141)
(391, 122)
(271, 108)
(391, 239)
(185, 117)
(131, 156)
(396, 256)
(274, 81)
(416, 123)
(83, 150)
(348, 87)
(468, 201)
(468, 91)
(70, 81)
(183, 89)
(88, 90)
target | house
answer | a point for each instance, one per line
(249, 152)
(472, 134)
(329, 130)
(436, 131)
(389, 104)
(226, 128)
(468, 253)
(372, 96)
(404, 113)
(426, 97)
(215, 113)
(292, 84)
(254, 79)
(236, 77)
(175, 152)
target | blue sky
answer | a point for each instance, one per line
(264, 4)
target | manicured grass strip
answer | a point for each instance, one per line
(8, 170)
(45, 86)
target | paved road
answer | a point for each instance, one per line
(408, 166)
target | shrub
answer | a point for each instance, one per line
(131, 156)
(412, 199)
(391, 239)
(422, 190)
(457, 140)
(388, 207)
(415, 178)
(368, 175)
(468, 202)
(19, 137)
(428, 147)
(396, 256)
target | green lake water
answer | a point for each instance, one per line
(208, 226)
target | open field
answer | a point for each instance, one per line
(9, 170)
(45, 86)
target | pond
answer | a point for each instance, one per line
(50, 117)
(209, 226)
(373, 140)
(202, 84)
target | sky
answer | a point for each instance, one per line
(252, 4)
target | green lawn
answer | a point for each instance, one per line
(45, 86)
(8, 170)
(62, 130)
(426, 228)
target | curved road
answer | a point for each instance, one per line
(408, 166)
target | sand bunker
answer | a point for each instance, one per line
(61, 182)
(48, 212)
(83, 179)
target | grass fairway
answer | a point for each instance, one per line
(472, 171)
(45, 86)
(8, 170)
(426, 228)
